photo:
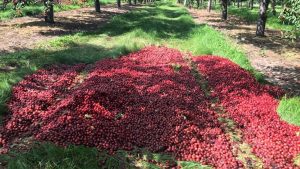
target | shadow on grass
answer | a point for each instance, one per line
(82, 22)
(162, 22)
(156, 20)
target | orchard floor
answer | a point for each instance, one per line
(25, 32)
(276, 58)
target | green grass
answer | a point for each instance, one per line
(289, 110)
(49, 156)
(36, 9)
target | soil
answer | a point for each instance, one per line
(26, 32)
(276, 58)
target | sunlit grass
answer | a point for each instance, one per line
(289, 110)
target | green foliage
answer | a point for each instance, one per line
(289, 110)
(291, 14)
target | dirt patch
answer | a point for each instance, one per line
(277, 58)
(24, 33)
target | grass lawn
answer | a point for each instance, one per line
(36, 9)
(289, 110)
(158, 24)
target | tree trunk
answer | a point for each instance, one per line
(97, 5)
(261, 23)
(185, 2)
(134, 1)
(198, 3)
(49, 14)
(238, 3)
(274, 7)
(129, 2)
(224, 9)
(251, 4)
(119, 3)
(209, 5)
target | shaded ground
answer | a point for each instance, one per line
(276, 58)
(24, 33)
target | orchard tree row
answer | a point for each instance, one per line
(290, 11)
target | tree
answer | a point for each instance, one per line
(129, 2)
(262, 19)
(209, 5)
(224, 4)
(274, 7)
(119, 3)
(291, 14)
(198, 3)
(185, 2)
(134, 1)
(49, 14)
(251, 4)
(5, 2)
(97, 5)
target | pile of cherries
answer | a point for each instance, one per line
(150, 99)
(253, 106)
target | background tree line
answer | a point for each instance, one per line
(287, 11)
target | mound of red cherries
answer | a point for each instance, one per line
(253, 107)
(150, 99)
